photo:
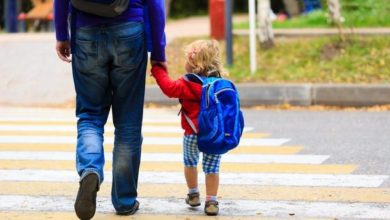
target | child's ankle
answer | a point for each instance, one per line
(211, 198)
(193, 190)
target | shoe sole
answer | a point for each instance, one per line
(85, 208)
(192, 205)
(213, 212)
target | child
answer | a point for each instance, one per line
(202, 58)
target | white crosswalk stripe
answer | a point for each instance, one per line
(281, 209)
(45, 120)
(53, 128)
(171, 157)
(226, 178)
(147, 140)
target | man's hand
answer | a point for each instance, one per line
(163, 64)
(63, 50)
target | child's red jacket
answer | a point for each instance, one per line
(188, 92)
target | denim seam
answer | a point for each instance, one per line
(131, 209)
(89, 171)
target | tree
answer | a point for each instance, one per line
(167, 7)
(335, 15)
(266, 35)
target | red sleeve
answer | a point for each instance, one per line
(171, 88)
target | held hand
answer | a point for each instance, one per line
(160, 63)
(63, 51)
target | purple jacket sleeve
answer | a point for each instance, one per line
(157, 26)
(61, 13)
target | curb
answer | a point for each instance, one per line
(263, 94)
(351, 95)
(297, 94)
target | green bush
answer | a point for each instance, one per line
(366, 12)
(183, 8)
(357, 13)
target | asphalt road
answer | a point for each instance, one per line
(361, 138)
(306, 164)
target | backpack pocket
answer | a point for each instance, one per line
(220, 102)
(226, 99)
(104, 8)
(207, 121)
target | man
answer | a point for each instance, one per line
(109, 60)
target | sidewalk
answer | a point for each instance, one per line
(316, 32)
(298, 94)
(32, 75)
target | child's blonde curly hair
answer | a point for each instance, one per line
(204, 58)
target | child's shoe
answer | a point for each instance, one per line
(193, 199)
(211, 208)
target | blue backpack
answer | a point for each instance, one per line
(220, 119)
(104, 8)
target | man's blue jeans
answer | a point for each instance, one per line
(109, 68)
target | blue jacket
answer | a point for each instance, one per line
(149, 11)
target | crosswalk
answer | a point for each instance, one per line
(264, 178)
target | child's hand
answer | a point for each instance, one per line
(158, 67)
(159, 63)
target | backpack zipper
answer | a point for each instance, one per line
(207, 95)
(208, 91)
(220, 91)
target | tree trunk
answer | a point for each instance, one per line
(266, 35)
(167, 7)
(335, 15)
(292, 7)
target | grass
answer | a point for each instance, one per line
(312, 60)
(357, 13)
(366, 13)
(316, 19)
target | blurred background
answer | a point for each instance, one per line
(297, 41)
(311, 13)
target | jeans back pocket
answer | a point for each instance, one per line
(86, 55)
(130, 51)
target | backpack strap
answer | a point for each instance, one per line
(214, 73)
(192, 77)
(192, 125)
(188, 119)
